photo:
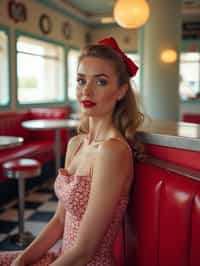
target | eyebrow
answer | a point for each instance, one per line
(96, 76)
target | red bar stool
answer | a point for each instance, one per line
(21, 169)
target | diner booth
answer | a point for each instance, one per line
(40, 42)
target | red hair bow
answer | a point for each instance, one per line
(132, 67)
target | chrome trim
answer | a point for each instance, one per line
(181, 170)
(174, 134)
(169, 141)
(22, 174)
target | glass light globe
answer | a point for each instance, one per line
(131, 13)
(168, 56)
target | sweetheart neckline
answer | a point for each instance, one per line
(122, 197)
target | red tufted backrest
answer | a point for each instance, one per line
(10, 124)
(163, 221)
(61, 112)
(191, 118)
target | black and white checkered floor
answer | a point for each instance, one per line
(40, 206)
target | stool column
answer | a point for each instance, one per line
(21, 169)
(21, 206)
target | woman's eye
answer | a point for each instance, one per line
(102, 82)
(80, 81)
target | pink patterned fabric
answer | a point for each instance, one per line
(73, 193)
(6, 258)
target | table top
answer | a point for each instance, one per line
(171, 134)
(10, 141)
(45, 124)
(75, 116)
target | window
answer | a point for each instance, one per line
(40, 71)
(72, 69)
(4, 69)
(135, 80)
(189, 85)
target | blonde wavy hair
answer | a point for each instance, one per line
(127, 116)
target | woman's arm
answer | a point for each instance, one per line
(108, 180)
(46, 239)
(54, 229)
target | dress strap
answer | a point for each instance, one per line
(75, 151)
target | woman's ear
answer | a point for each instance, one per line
(122, 91)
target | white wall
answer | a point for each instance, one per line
(127, 39)
(31, 26)
(189, 108)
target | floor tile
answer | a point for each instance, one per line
(57, 246)
(41, 216)
(2, 237)
(53, 198)
(44, 190)
(48, 206)
(12, 214)
(7, 245)
(40, 206)
(39, 197)
(33, 227)
(30, 205)
(7, 226)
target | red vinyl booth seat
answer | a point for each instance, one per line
(163, 219)
(37, 144)
(191, 118)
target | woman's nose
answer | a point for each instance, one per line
(87, 89)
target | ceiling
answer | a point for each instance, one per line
(92, 11)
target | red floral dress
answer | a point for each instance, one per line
(73, 192)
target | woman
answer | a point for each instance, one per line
(93, 188)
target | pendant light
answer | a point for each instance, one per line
(168, 56)
(131, 14)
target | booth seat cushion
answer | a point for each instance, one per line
(163, 219)
(10, 124)
(119, 248)
(191, 118)
(175, 156)
(43, 151)
(48, 113)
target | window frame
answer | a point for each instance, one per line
(19, 33)
(184, 49)
(73, 103)
(6, 30)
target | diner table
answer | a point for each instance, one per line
(56, 125)
(10, 141)
(75, 116)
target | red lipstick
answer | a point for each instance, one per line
(88, 103)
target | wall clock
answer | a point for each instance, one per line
(66, 30)
(45, 24)
(17, 11)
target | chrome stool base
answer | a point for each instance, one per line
(21, 169)
(23, 239)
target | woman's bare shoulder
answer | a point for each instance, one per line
(115, 147)
(74, 141)
(71, 147)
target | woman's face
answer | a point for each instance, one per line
(97, 86)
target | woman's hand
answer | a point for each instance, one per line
(62, 171)
(19, 261)
(56, 264)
